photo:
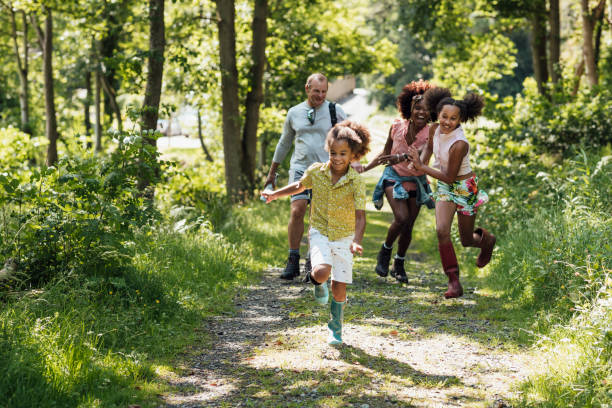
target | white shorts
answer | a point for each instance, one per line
(335, 253)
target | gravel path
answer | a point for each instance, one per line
(271, 354)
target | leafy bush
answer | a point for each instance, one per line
(77, 215)
(561, 124)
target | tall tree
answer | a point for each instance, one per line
(155, 66)
(589, 20)
(538, 45)
(45, 39)
(554, 40)
(255, 96)
(233, 154)
(22, 65)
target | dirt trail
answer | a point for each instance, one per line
(272, 353)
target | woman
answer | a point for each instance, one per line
(405, 188)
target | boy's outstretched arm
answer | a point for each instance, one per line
(360, 222)
(293, 188)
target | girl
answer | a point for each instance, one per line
(337, 220)
(405, 188)
(457, 184)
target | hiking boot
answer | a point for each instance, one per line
(307, 270)
(293, 267)
(382, 261)
(398, 271)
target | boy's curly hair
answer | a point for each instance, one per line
(409, 91)
(356, 134)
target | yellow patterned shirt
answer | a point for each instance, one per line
(333, 206)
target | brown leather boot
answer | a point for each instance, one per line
(451, 269)
(486, 244)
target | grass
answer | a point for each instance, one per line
(104, 340)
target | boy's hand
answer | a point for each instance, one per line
(268, 195)
(355, 247)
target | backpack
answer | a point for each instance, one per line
(332, 113)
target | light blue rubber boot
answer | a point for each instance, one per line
(335, 324)
(321, 293)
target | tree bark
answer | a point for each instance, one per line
(555, 41)
(206, 152)
(538, 50)
(255, 96)
(111, 95)
(229, 94)
(23, 68)
(46, 43)
(98, 114)
(589, 19)
(87, 103)
(155, 66)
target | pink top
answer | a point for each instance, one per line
(399, 129)
(441, 146)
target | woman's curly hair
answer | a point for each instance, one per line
(409, 91)
(356, 134)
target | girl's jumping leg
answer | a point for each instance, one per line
(479, 238)
(445, 211)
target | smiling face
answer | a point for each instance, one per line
(419, 114)
(316, 92)
(449, 118)
(340, 156)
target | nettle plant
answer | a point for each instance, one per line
(79, 215)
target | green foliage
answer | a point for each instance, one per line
(563, 124)
(77, 215)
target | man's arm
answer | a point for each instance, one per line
(282, 148)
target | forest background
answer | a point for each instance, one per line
(107, 244)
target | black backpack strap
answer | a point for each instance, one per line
(332, 113)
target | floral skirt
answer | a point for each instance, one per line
(464, 193)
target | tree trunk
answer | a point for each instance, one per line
(108, 47)
(229, 94)
(155, 66)
(538, 50)
(110, 93)
(555, 41)
(98, 126)
(588, 27)
(23, 68)
(46, 43)
(87, 103)
(255, 96)
(155, 72)
(206, 152)
(578, 75)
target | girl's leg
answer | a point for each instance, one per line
(406, 233)
(399, 271)
(337, 312)
(400, 215)
(318, 277)
(444, 217)
(479, 238)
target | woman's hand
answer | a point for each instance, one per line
(356, 248)
(415, 157)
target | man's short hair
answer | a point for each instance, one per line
(316, 77)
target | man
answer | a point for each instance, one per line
(307, 124)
